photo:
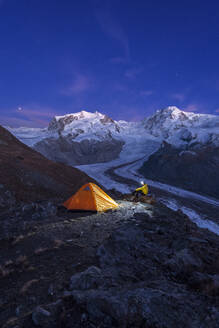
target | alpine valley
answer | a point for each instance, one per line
(172, 147)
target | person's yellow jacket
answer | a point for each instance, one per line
(144, 189)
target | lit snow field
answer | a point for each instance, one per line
(96, 171)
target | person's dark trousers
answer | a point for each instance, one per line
(137, 194)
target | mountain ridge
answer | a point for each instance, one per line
(169, 119)
(179, 128)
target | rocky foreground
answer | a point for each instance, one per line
(138, 266)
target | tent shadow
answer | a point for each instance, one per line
(85, 212)
(81, 211)
(63, 209)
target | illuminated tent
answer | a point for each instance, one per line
(90, 197)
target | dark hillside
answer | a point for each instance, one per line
(29, 176)
(195, 170)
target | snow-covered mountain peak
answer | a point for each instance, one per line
(165, 119)
(170, 110)
(80, 115)
(84, 125)
(172, 113)
(179, 127)
(73, 120)
(173, 116)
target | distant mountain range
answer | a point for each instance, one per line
(170, 124)
(88, 138)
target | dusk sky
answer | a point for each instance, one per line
(122, 58)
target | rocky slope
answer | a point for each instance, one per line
(194, 169)
(87, 151)
(26, 175)
(138, 266)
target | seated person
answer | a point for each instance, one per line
(142, 191)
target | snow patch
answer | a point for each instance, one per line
(96, 171)
(201, 223)
(184, 152)
(194, 216)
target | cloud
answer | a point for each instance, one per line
(133, 72)
(146, 93)
(81, 84)
(30, 116)
(15, 122)
(191, 108)
(120, 87)
(35, 111)
(112, 28)
(128, 112)
(118, 60)
(178, 96)
(37, 115)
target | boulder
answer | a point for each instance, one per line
(41, 317)
(88, 279)
(140, 307)
(183, 261)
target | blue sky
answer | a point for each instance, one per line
(123, 58)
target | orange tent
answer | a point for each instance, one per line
(90, 197)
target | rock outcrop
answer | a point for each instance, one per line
(68, 151)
